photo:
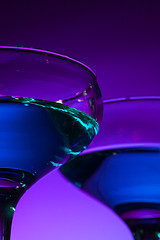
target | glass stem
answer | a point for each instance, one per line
(8, 204)
(5, 227)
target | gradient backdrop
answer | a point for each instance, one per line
(120, 40)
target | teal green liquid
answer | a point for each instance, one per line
(37, 136)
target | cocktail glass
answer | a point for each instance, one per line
(121, 168)
(50, 110)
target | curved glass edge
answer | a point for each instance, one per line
(93, 78)
(36, 50)
(133, 98)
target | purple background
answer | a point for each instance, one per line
(120, 40)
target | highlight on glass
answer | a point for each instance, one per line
(50, 110)
(121, 167)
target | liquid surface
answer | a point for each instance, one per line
(38, 136)
(124, 179)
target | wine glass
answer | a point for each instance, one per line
(121, 168)
(50, 110)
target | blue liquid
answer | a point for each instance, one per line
(38, 136)
(124, 179)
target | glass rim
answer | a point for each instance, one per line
(51, 54)
(129, 99)
(104, 147)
